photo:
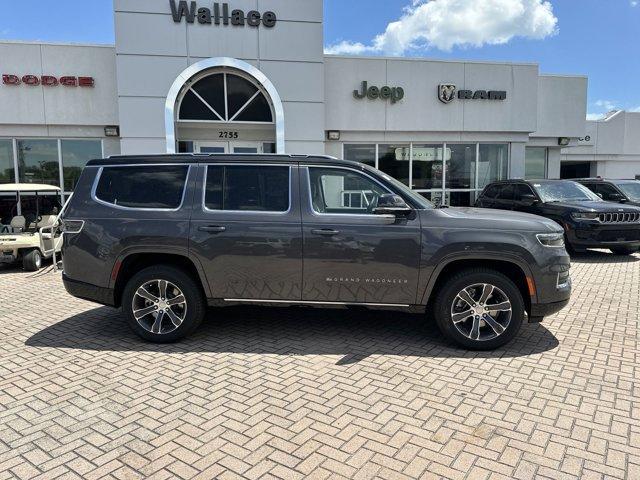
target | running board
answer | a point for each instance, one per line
(303, 302)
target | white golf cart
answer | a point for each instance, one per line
(28, 224)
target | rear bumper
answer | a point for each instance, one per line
(8, 258)
(86, 291)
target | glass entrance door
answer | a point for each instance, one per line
(245, 147)
(212, 147)
(228, 147)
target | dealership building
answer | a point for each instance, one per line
(609, 148)
(250, 76)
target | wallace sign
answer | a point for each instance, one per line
(219, 14)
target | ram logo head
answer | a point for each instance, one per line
(446, 92)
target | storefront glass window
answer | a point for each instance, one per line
(394, 161)
(461, 168)
(427, 166)
(185, 147)
(38, 161)
(493, 164)
(75, 155)
(7, 173)
(430, 163)
(535, 163)
(361, 153)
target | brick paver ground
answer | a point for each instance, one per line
(292, 393)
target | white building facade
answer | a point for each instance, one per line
(250, 76)
(609, 148)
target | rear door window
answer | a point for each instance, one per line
(247, 188)
(143, 186)
(491, 191)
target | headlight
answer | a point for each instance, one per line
(555, 240)
(584, 215)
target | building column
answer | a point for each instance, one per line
(554, 158)
(516, 168)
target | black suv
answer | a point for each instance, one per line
(165, 236)
(588, 221)
(619, 191)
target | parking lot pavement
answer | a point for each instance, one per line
(292, 393)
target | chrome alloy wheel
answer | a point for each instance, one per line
(481, 312)
(159, 306)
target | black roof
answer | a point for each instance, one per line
(216, 157)
(611, 180)
(529, 180)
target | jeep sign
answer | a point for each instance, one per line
(395, 94)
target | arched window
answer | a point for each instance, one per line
(225, 97)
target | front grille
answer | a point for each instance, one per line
(619, 217)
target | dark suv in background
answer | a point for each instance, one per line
(162, 237)
(619, 191)
(588, 221)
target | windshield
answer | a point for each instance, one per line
(564, 191)
(423, 203)
(631, 190)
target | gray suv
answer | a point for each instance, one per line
(165, 236)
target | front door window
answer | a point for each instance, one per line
(337, 191)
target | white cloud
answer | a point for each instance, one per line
(594, 116)
(445, 24)
(347, 48)
(634, 3)
(635, 109)
(607, 105)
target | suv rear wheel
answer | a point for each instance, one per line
(163, 304)
(479, 309)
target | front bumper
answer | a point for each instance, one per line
(597, 235)
(541, 310)
(552, 283)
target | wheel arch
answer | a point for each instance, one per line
(513, 268)
(126, 267)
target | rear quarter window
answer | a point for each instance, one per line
(153, 186)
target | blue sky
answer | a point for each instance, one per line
(597, 38)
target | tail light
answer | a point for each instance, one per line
(72, 226)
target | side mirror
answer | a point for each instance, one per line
(529, 199)
(390, 204)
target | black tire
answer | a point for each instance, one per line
(194, 305)
(448, 294)
(32, 261)
(624, 250)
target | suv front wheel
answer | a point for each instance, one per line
(479, 309)
(163, 304)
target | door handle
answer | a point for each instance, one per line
(212, 229)
(325, 231)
